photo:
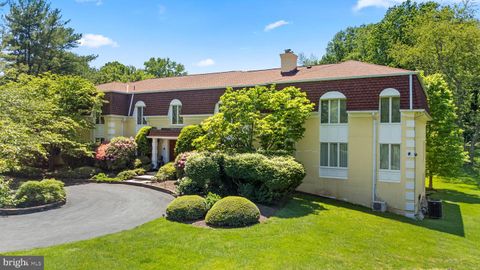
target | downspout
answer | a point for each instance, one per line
(131, 100)
(410, 90)
(374, 159)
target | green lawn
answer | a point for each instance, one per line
(308, 233)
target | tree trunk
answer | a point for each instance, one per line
(430, 181)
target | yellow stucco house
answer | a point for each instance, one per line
(364, 143)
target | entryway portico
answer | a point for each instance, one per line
(163, 145)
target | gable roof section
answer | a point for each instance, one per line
(344, 70)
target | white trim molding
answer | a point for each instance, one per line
(390, 92)
(333, 95)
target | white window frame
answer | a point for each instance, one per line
(390, 157)
(330, 97)
(138, 105)
(389, 93)
(217, 107)
(99, 119)
(328, 156)
(175, 103)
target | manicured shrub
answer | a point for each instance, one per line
(186, 137)
(264, 179)
(186, 186)
(102, 177)
(129, 174)
(7, 194)
(33, 193)
(233, 211)
(186, 208)
(118, 154)
(144, 144)
(202, 169)
(211, 199)
(166, 172)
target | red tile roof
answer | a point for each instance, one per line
(348, 69)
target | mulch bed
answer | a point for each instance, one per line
(265, 213)
(168, 185)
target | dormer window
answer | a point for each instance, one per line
(217, 107)
(175, 112)
(140, 113)
(333, 108)
(390, 106)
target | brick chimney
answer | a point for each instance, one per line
(288, 62)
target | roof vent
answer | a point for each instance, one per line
(288, 62)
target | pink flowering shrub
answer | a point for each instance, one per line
(117, 155)
(180, 162)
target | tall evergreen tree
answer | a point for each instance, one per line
(36, 39)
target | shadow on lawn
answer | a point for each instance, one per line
(451, 222)
(299, 206)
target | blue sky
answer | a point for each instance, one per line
(209, 36)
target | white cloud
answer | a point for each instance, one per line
(96, 2)
(96, 41)
(274, 25)
(205, 62)
(361, 4)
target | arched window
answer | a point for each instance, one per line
(390, 106)
(333, 108)
(333, 135)
(217, 107)
(140, 113)
(175, 112)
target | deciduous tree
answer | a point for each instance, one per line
(445, 154)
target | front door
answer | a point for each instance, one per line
(171, 148)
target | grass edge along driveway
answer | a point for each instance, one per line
(310, 232)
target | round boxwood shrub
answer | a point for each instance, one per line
(166, 172)
(233, 211)
(186, 208)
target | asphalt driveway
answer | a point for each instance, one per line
(91, 210)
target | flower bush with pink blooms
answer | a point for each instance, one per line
(180, 163)
(117, 155)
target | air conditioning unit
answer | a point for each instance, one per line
(379, 206)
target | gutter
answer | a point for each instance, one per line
(270, 83)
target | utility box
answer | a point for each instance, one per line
(435, 208)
